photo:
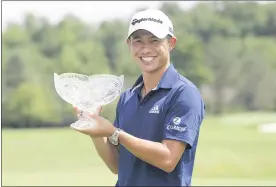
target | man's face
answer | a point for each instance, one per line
(150, 52)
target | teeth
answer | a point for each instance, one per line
(147, 59)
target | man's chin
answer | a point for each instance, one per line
(149, 69)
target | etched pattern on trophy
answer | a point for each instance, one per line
(87, 93)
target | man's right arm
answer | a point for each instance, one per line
(108, 153)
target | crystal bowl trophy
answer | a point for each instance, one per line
(87, 93)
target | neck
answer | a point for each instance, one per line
(152, 79)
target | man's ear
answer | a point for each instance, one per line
(172, 43)
(128, 43)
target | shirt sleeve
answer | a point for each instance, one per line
(116, 121)
(117, 115)
(184, 116)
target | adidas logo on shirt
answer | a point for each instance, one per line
(154, 110)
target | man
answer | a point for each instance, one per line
(154, 138)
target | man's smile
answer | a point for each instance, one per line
(147, 60)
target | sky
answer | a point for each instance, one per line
(89, 11)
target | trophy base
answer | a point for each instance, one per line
(83, 124)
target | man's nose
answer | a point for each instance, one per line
(146, 47)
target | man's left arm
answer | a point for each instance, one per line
(180, 129)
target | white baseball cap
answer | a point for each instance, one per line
(152, 20)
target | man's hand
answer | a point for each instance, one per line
(102, 128)
(108, 153)
(78, 112)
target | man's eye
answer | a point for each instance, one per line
(155, 40)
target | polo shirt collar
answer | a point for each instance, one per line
(167, 80)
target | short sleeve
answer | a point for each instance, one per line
(184, 117)
(116, 121)
(117, 114)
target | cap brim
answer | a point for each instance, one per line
(152, 28)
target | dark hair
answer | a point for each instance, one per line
(168, 37)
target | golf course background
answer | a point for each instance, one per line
(231, 151)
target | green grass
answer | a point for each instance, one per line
(231, 151)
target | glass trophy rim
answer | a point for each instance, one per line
(56, 75)
(119, 79)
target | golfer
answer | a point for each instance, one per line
(153, 140)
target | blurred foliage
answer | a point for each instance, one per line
(228, 49)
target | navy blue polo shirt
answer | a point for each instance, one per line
(173, 110)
